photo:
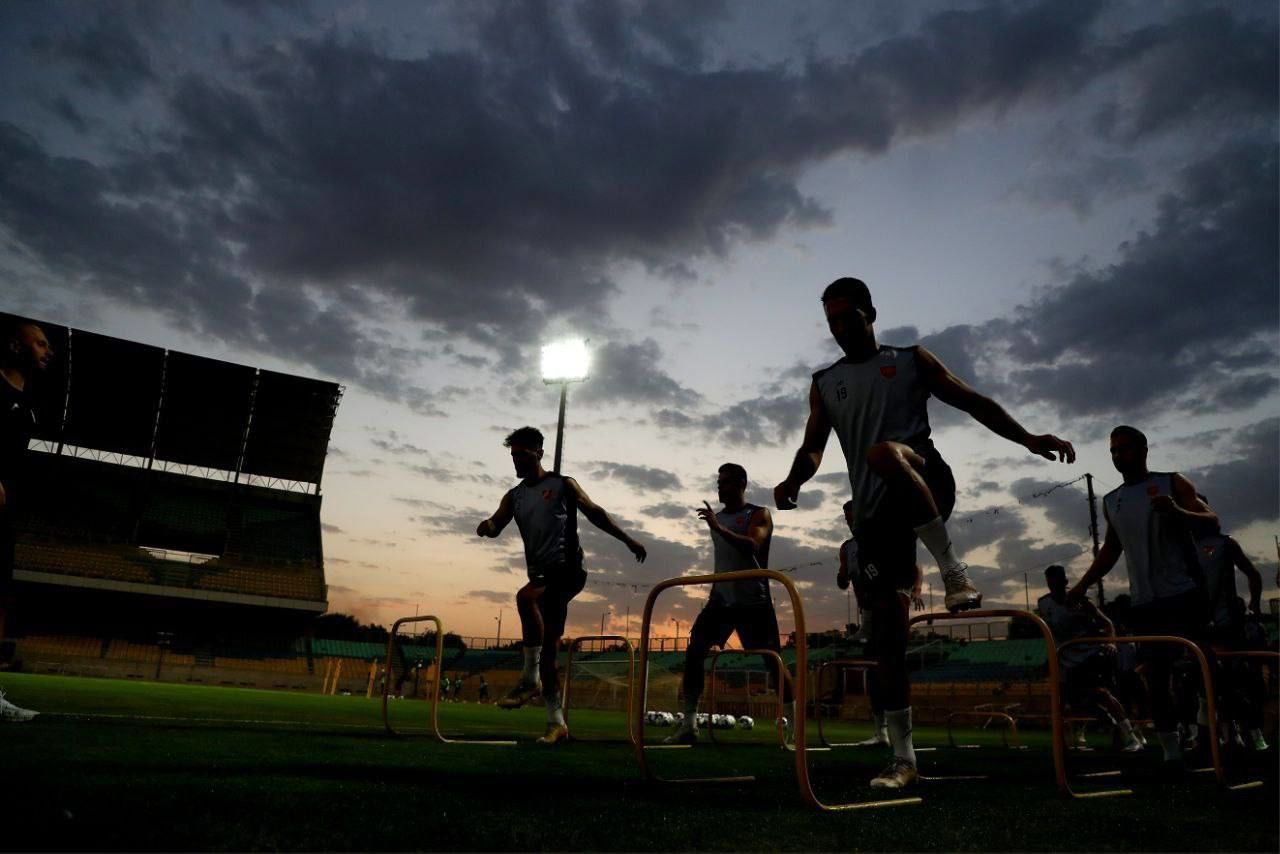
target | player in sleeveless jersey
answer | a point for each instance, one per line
(1220, 557)
(875, 399)
(741, 534)
(545, 508)
(1151, 519)
(1088, 673)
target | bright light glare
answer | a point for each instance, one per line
(565, 361)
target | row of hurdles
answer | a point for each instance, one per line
(637, 701)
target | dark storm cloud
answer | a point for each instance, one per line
(487, 189)
(761, 421)
(1246, 487)
(1067, 507)
(630, 372)
(1087, 347)
(645, 478)
(1207, 66)
(107, 55)
(983, 527)
(668, 510)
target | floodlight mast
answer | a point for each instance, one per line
(564, 362)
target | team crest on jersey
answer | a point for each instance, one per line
(1153, 490)
(547, 494)
(888, 371)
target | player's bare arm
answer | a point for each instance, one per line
(816, 432)
(954, 391)
(597, 516)
(842, 574)
(1242, 563)
(1102, 563)
(759, 529)
(493, 526)
(1185, 503)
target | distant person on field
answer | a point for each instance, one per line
(1089, 672)
(740, 537)
(1152, 519)
(24, 354)
(484, 690)
(545, 507)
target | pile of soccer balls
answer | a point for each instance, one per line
(665, 719)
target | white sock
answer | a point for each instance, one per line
(1202, 712)
(555, 709)
(529, 676)
(882, 728)
(899, 724)
(1169, 744)
(1126, 728)
(934, 536)
(690, 714)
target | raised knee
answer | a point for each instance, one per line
(884, 457)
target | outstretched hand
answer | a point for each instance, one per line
(485, 528)
(784, 496)
(638, 550)
(706, 514)
(1052, 448)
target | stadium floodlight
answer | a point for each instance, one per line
(565, 361)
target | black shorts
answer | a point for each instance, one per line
(1183, 616)
(756, 625)
(887, 541)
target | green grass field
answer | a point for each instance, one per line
(146, 766)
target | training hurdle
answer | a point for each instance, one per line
(1270, 655)
(1055, 686)
(798, 687)
(435, 688)
(631, 678)
(1206, 678)
(783, 676)
(986, 714)
(839, 665)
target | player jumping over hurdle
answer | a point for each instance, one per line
(545, 506)
(875, 398)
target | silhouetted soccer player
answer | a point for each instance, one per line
(740, 534)
(545, 506)
(1220, 556)
(1088, 671)
(1151, 518)
(875, 399)
(24, 353)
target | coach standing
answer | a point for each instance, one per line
(24, 353)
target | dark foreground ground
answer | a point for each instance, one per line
(116, 765)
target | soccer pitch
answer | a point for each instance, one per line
(146, 766)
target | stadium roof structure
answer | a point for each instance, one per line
(113, 396)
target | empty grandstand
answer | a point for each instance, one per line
(172, 508)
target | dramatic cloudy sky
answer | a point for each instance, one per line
(1074, 204)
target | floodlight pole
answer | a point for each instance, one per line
(564, 395)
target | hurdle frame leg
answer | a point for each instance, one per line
(435, 687)
(798, 687)
(631, 679)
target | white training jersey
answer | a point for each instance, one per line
(1219, 575)
(1066, 623)
(732, 559)
(547, 516)
(881, 399)
(1158, 550)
